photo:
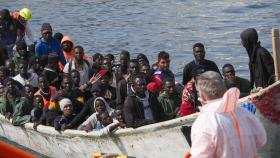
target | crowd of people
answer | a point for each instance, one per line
(53, 82)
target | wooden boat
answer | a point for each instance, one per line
(166, 139)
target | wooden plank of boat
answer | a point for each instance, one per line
(163, 139)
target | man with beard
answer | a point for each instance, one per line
(199, 55)
(124, 86)
(141, 107)
(78, 63)
(260, 61)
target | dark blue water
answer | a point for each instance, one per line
(149, 26)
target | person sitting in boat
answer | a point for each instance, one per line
(22, 111)
(51, 71)
(122, 68)
(67, 91)
(80, 64)
(97, 60)
(35, 65)
(163, 71)
(119, 116)
(234, 81)
(47, 44)
(85, 88)
(100, 105)
(38, 111)
(141, 107)
(21, 53)
(10, 66)
(62, 122)
(10, 98)
(124, 86)
(223, 129)
(169, 100)
(190, 103)
(199, 59)
(24, 77)
(261, 63)
(107, 123)
(47, 92)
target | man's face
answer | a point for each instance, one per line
(47, 36)
(2, 76)
(75, 78)
(99, 106)
(145, 69)
(66, 84)
(123, 60)
(53, 64)
(28, 92)
(228, 72)
(79, 54)
(139, 86)
(133, 68)
(119, 115)
(38, 102)
(10, 87)
(22, 69)
(105, 79)
(22, 52)
(67, 110)
(163, 64)
(199, 53)
(43, 84)
(169, 88)
(10, 66)
(107, 64)
(67, 46)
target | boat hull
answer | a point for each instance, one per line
(164, 139)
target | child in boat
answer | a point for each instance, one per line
(169, 99)
(107, 123)
(100, 105)
(61, 122)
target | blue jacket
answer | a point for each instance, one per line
(44, 48)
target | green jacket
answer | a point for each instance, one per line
(7, 104)
(170, 106)
(22, 112)
(18, 58)
(242, 84)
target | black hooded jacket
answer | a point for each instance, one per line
(260, 60)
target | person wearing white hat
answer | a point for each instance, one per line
(62, 122)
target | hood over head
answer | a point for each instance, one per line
(249, 39)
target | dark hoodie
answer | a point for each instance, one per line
(260, 61)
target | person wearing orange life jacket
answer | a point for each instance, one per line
(223, 129)
(47, 92)
(24, 16)
(67, 45)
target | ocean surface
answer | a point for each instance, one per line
(150, 26)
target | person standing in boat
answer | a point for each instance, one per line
(199, 59)
(234, 81)
(223, 129)
(47, 44)
(122, 68)
(21, 53)
(141, 107)
(261, 64)
(169, 100)
(124, 85)
(162, 71)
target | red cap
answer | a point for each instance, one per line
(102, 72)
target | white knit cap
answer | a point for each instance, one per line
(63, 102)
